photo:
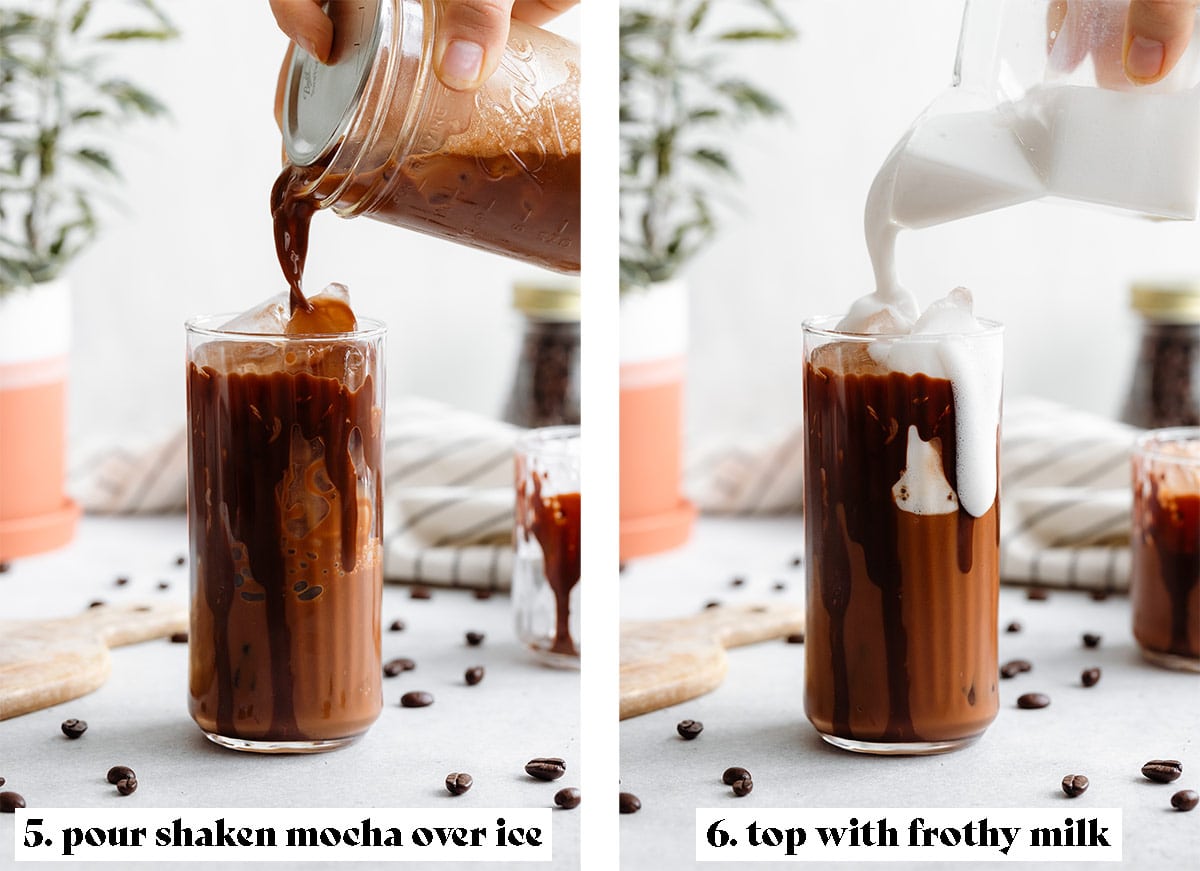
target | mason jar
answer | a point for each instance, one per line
(545, 385)
(1164, 389)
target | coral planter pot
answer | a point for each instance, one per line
(35, 333)
(654, 515)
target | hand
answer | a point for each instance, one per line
(1137, 48)
(470, 41)
(1156, 35)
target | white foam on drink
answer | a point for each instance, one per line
(922, 487)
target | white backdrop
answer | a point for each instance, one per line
(1057, 275)
(195, 237)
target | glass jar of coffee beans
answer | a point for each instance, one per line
(545, 387)
(1165, 388)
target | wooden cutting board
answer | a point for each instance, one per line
(44, 662)
(664, 662)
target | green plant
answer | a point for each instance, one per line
(59, 107)
(679, 109)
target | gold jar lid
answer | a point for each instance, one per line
(557, 301)
(1173, 301)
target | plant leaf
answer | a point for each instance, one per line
(96, 159)
(129, 34)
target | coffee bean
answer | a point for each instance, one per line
(1099, 595)
(473, 675)
(74, 728)
(120, 772)
(10, 801)
(4, 567)
(416, 699)
(1015, 667)
(1090, 677)
(737, 582)
(474, 639)
(395, 666)
(795, 638)
(121, 581)
(712, 603)
(797, 561)
(1037, 594)
(419, 592)
(1090, 640)
(458, 782)
(127, 785)
(779, 586)
(181, 560)
(742, 787)
(1, 781)
(179, 638)
(1185, 800)
(567, 798)
(734, 773)
(397, 626)
(162, 585)
(689, 729)
(1033, 700)
(1074, 785)
(97, 603)
(1163, 770)
(483, 594)
(630, 803)
(546, 768)
(1014, 626)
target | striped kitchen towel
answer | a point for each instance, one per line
(448, 491)
(1065, 492)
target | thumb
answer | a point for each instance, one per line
(470, 41)
(1156, 35)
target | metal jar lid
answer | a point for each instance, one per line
(558, 301)
(320, 99)
(1173, 301)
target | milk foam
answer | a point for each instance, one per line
(922, 487)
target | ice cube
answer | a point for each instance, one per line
(952, 314)
(267, 318)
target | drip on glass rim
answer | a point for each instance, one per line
(817, 326)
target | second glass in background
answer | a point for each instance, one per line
(546, 567)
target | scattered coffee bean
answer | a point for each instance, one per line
(458, 782)
(162, 585)
(1091, 640)
(795, 638)
(712, 603)
(742, 787)
(474, 639)
(4, 567)
(420, 592)
(1185, 800)
(1, 781)
(630, 803)
(1090, 677)
(546, 768)
(737, 581)
(1014, 626)
(121, 581)
(483, 594)
(73, 728)
(181, 560)
(416, 699)
(395, 666)
(10, 801)
(734, 773)
(689, 729)
(1033, 700)
(779, 586)
(567, 798)
(120, 772)
(97, 603)
(397, 626)
(1163, 770)
(1099, 595)
(473, 675)
(1015, 667)
(797, 561)
(179, 638)
(127, 785)
(1074, 785)
(1037, 594)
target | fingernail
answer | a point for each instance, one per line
(1144, 60)
(461, 63)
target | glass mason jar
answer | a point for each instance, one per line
(285, 445)
(1165, 573)
(375, 133)
(545, 388)
(1165, 388)
(902, 530)
(545, 584)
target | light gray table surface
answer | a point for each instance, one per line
(755, 719)
(139, 718)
